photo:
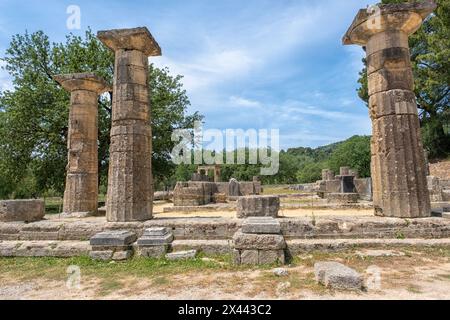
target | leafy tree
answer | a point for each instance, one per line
(430, 52)
(34, 115)
(354, 153)
(311, 172)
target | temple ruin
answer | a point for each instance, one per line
(398, 159)
(81, 194)
(130, 183)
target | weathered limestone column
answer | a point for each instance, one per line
(398, 162)
(130, 190)
(81, 194)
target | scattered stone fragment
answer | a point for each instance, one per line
(335, 275)
(181, 255)
(280, 272)
(380, 253)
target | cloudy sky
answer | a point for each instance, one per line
(262, 64)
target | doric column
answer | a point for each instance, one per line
(130, 190)
(398, 163)
(81, 194)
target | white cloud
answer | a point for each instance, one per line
(243, 102)
(5, 80)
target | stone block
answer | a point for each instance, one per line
(101, 255)
(343, 198)
(261, 225)
(363, 187)
(347, 184)
(258, 206)
(21, 210)
(344, 171)
(153, 251)
(181, 255)
(333, 186)
(243, 241)
(250, 257)
(156, 231)
(122, 255)
(233, 188)
(155, 240)
(236, 257)
(271, 256)
(335, 275)
(113, 238)
(139, 39)
(280, 272)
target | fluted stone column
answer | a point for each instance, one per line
(130, 190)
(81, 193)
(398, 163)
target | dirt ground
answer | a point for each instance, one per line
(291, 213)
(419, 274)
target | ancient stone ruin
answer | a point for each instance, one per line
(200, 193)
(345, 187)
(398, 160)
(81, 194)
(130, 183)
(257, 234)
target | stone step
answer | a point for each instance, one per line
(59, 249)
(64, 249)
(331, 227)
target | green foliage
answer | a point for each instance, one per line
(354, 153)
(34, 116)
(430, 52)
(310, 172)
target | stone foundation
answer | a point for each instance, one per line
(342, 197)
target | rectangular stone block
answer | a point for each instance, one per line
(158, 231)
(392, 102)
(153, 251)
(113, 238)
(250, 257)
(101, 255)
(333, 186)
(384, 80)
(389, 58)
(271, 257)
(155, 240)
(122, 255)
(347, 185)
(21, 210)
(258, 206)
(261, 225)
(243, 241)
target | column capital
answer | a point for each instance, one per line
(132, 39)
(404, 17)
(83, 81)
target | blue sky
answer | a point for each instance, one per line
(260, 64)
